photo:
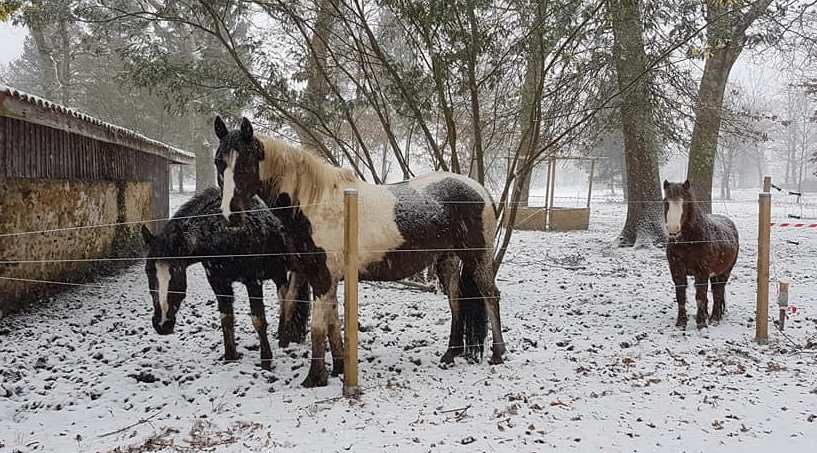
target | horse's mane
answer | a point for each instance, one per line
(199, 203)
(303, 175)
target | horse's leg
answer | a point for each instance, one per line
(447, 269)
(431, 272)
(718, 298)
(294, 310)
(335, 335)
(484, 276)
(701, 290)
(259, 322)
(303, 306)
(284, 309)
(679, 278)
(224, 296)
(317, 376)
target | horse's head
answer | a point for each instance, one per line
(167, 282)
(237, 161)
(677, 208)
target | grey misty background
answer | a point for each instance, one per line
(721, 92)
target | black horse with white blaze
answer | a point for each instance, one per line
(404, 227)
(197, 233)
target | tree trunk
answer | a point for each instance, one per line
(726, 36)
(708, 123)
(530, 98)
(181, 178)
(612, 182)
(723, 188)
(384, 163)
(316, 87)
(205, 170)
(478, 156)
(644, 214)
(802, 170)
(787, 181)
(65, 63)
(625, 188)
(407, 156)
(530, 120)
(47, 73)
(448, 112)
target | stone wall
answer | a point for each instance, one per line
(46, 204)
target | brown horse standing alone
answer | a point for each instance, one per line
(704, 246)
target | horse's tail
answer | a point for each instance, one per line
(474, 317)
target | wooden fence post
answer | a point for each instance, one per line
(590, 181)
(547, 190)
(767, 184)
(764, 227)
(550, 192)
(350, 382)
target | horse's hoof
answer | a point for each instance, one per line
(496, 359)
(316, 379)
(448, 357)
(231, 357)
(266, 364)
(337, 367)
(702, 325)
(283, 342)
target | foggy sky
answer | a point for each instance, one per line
(11, 42)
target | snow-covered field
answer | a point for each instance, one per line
(594, 364)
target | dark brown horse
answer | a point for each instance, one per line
(704, 246)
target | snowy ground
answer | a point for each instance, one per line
(594, 363)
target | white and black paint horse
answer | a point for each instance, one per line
(404, 227)
(198, 233)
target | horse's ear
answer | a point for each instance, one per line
(147, 235)
(687, 185)
(283, 201)
(220, 127)
(246, 129)
(666, 184)
(283, 207)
